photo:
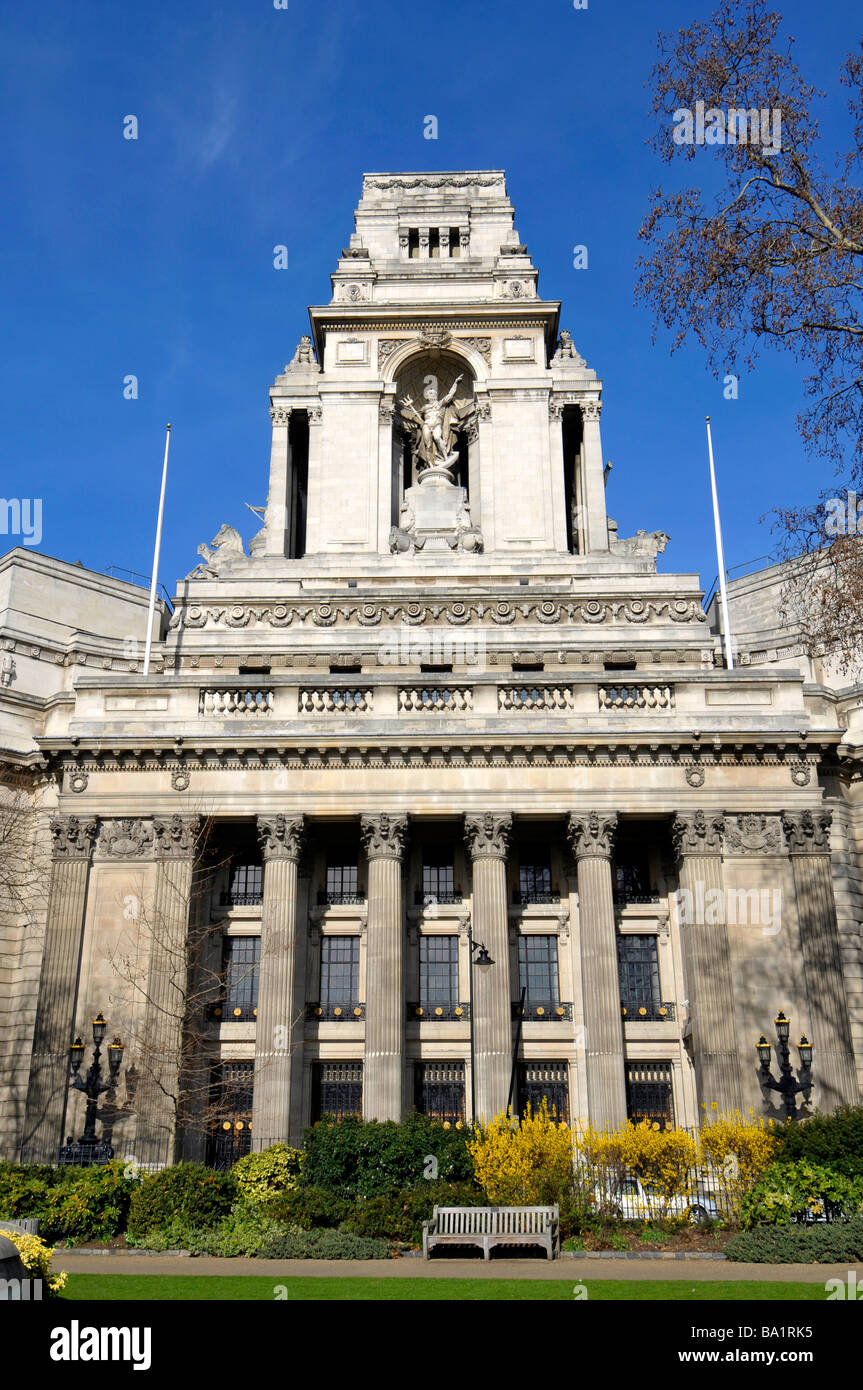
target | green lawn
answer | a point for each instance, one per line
(148, 1287)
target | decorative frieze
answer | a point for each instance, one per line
(125, 839)
(807, 832)
(176, 837)
(71, 837)
(384, 836)
(281, 836)
(487, 835)
(752, 835)
(592, 835)
(697, 833)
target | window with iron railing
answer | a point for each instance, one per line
(537, 969)
(337, 1090)
(439, 1091)
(438, 883)
(231, 1092)
(340, 969)
(240, 971)
(534, 883)
(342, 885)
(544, 1081)
(638, 968)
(246, 886)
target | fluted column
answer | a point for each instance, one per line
(72, 847)
(591, 837)
(487, 838)
(808, 836)
(384, 837)
(707, 961)
(159, 1098)
(279, 1030)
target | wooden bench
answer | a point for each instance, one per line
(490, 1226)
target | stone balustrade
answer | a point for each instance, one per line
(219, 704)
(636, 697)
(435, 699)
(336, 700)
(535, 697)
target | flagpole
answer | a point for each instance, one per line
(720, 557)
(152, 606)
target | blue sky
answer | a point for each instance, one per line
(154, 257)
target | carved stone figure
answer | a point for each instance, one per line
(227, 545)
(566, 350)
(643, 545)
(433, 427)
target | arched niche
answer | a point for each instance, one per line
(413, 376)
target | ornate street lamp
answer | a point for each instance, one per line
(787, 1087)
(88, 1149)
(483, 962)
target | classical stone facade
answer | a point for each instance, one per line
(441, 794)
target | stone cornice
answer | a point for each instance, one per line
(487, 835)
(384, 836)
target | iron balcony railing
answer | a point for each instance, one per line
(523, 896)
(231, 899)
(542, 1011)
(622, 897)
(226, 1012)
(326, 898)
(348, 1012)
(427, 897)
(438, 1013)
(646, 1011)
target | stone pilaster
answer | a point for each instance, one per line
(279, 1032)
(707, 961)
(591, 837)
(487, 836)
(384, 837)
(72, 847)
(159, 1100)
(808, 837)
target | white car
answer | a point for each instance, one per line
(637, 1200)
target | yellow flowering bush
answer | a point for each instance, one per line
(661, 1159)
(523, 1162)
(36, 1258)
(735, 1152)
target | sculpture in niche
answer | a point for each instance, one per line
(433, 427)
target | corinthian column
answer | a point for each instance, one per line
(159, 1099)
(707, 960)
(808, 836)
(487, 838)
(591, 837)
(384, 839)
(58, 986)
(280, 1010)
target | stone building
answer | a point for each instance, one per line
(439, 712)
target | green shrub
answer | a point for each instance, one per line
(802, 1188)
(839, 1242)
(399, 1215)
(309, 1207)
(324, 1245)
(71, 1204)
(263, 1175)
(835, 1141)
(199, 1196)
(356, 1158)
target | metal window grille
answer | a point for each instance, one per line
(438, 970)
(440, 1091)
(534, 882)
(539, 1081)
(340, 969)
(246, 886)
(650, 1092)
(337, 1089)
(231, 1091)
(537, 968)
(638, 966)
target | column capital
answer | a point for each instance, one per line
(487, 835)
(384, 836)
(176, 837)
(72, 837)
(280, 414)
(125, 839)
(281, 836)
(698, 833)
(592, 835)
(807, 832)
